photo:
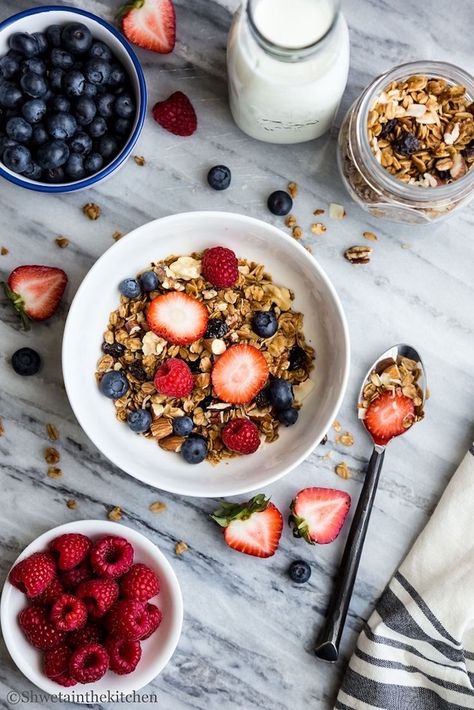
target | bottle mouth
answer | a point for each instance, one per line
(377, 173)
(289, 52)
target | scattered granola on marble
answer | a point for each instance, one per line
(358, 254)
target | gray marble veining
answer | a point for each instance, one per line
(248, 632)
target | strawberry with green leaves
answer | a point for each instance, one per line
(35, 292)
(253, 528)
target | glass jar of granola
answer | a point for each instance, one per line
(406, 145)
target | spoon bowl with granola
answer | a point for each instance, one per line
(206, 354)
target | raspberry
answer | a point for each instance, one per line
(65, 680)
(73, 577)
(38, 630)
(241, 435)
(176, 114)
(90, 633)
(70, 550)
(68, 613)
(34, 574)
(56, 661)
(139, 583)
(154, 619)
(50, 594)
(220, 267)
(99, 595)
(111, 556)
(124, 655)
(89, 663)
(128, 619)
(174, 378)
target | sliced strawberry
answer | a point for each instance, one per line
(239, 374)
(318, 514)
(150, 24)
(253, 528)
(177, 317)
(35, 291)
(389, 415)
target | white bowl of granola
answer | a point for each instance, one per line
(289, 283)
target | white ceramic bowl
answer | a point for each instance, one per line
(36, 20)
(324, 325)
(156, 651)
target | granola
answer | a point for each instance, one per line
(135, 350)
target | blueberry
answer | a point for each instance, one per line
(60, 103)
(93, 163)
(41, 41)
(182, 426)
(117, 76)
(74, 168)
(194, 449)
(19, 130)
(53, 35)
(33, 172)
(108, 147)
(216, 328)
(105, 105)
(61, 59)
(406, 144)
(85, 110)
(34, 110)
(61, 126)
(17, 158)
(280, 393)
(55, 175)
(97, 128)
(219, 177)
(149, 281)
(10, 95)
(55, 77)
(81, 143)
(97, 71)
(76, 38)
(299, 571)
(124, 106)
(6, 142)
(139, 420)
(74, 82)
(122, 127)
(52, 155)
(9, 67)
(279, 203)
(265, 323)
(114, 384)
(288, 416)
(40, 135)
(297, 358)
(99, 50)
(114, 349)
(130, 288)
(90, 89)
(33, 84)
(34, 64)
(23, 43)
(26, 361)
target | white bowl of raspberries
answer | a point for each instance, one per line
(91, 605)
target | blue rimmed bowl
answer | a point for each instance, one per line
(36, 20)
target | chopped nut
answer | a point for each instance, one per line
(54, 472)
(4, 251)
(117, 235)
(218, 346)
(185, 268)
(336, 425)
(370, 236)
(318, 211)
(336, 211)
(62, 242)
(290, 221)
(171, 443)
(180, 548)
(52, 431)
(92, 210)
(358, 254)
(161, 427)
(318, 228)
(345, 439)
(71, 504)
(343, 471)
(292, 189)
(115, 514)
(139, 159)
(51, 455)
(297, 232)
(157, 507)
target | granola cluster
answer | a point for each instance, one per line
(140, 352)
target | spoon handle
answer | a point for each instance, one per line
(327, 645)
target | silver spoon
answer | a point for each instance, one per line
(327, 645)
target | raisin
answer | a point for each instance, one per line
(468, 151)
(137, 371)
(444, 174)
(216, 328)
(204, 403)
(194, 365)
(406, 144)
(297, 358)
(261, 400)
(114, 349)
(388, 127)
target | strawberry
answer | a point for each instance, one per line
(220, 267)
(33, 575)
(176, 114)
(150, 24)
(318, 514)
(253, 528)
(174, 378)
(389, 415)
(241, 435)
(239, 374)
(177, 317)
(35, 291)
(70, 550)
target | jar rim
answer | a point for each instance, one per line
(416, 193)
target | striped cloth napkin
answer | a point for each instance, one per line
(417, 650)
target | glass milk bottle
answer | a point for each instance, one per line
(287, 63)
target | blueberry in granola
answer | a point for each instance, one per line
(280, 393)
(182, 426)
(130, 288)
(149, 281)
(265, 323)
(194, 449)
(288, 417)
(114, 384)
(139, 421)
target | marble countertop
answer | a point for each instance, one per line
(252, 647)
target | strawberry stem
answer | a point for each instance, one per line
(18, 304)
(125, 9)
(227, 512)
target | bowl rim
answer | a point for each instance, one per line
(280, 472)
(65, 187)
(103, 527)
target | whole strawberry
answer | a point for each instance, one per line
(99, 595)
(124, 655)
(128, 619)
(139, 583)
(241, 435)
(176, 114)
(38, 629)
(34, 574)
(220, 267)
(111, 556)
(70, 550)
(68, 613)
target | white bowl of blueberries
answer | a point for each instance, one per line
(72, 99)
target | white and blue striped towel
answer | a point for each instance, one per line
(417, 650)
